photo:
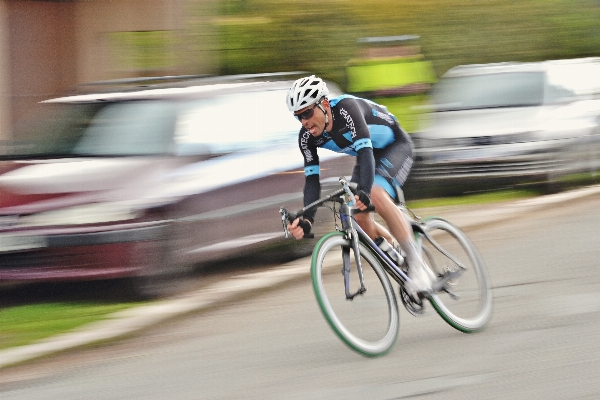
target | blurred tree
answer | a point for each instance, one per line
(269, 35)
(285, 37)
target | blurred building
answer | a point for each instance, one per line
(49, 47)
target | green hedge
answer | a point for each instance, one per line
(318, 36)
(321, 37)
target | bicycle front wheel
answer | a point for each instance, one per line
(368, 323)
(467, 303)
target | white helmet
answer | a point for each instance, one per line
(305, 92)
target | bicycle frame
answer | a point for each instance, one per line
(354, 233)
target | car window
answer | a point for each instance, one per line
(130, 128)
(51, 130)
(514, 89)
(95, 129)
(235, 122)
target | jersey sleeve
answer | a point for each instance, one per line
(356, 123)
(312, 192)
(361, 139)
(312, 183)
(366, 161)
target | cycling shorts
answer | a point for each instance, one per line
(392, 165)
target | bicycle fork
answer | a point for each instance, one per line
(353, 237)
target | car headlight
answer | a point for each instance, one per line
(80, 215)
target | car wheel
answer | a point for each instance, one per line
(159, 276)
(596, 151)
(560, 164)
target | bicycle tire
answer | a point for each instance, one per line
(358, 322)
(472, 311)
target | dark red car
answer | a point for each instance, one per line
(142, 183)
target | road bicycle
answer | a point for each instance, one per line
(366, 318)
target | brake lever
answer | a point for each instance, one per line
(284, 216)
(349, 193)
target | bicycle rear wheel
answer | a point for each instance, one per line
(369, 323)
(467, 303)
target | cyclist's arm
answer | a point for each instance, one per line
(312, 182)
(312, 192)
(361, 138)
(366, 160)
(301, 227)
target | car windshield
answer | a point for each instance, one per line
(515, 89)
(211, 125)
(235, 122)
(572, 80)
(95, 129)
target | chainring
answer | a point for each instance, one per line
(412, 306)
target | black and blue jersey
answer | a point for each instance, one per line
(366, 130)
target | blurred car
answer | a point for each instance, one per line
(140, 183)
(511, 123)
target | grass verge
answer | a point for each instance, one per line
(479, 198)
(25, 324)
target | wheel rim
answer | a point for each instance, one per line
(473, 310)
(356, 321)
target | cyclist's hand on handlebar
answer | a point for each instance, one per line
(299, 228)
(362, 200)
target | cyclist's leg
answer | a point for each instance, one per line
(391, 214)
(392, 167)
(371, 227)
(367, 221)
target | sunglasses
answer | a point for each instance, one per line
(308, 114)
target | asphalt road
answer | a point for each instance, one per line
(542, 342)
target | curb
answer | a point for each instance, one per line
(131, 320)
(135, 319)
(466, 218)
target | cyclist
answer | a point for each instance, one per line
(366, 130)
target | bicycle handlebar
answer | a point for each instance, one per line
(347, 188)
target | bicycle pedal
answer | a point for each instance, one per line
(445, 280)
